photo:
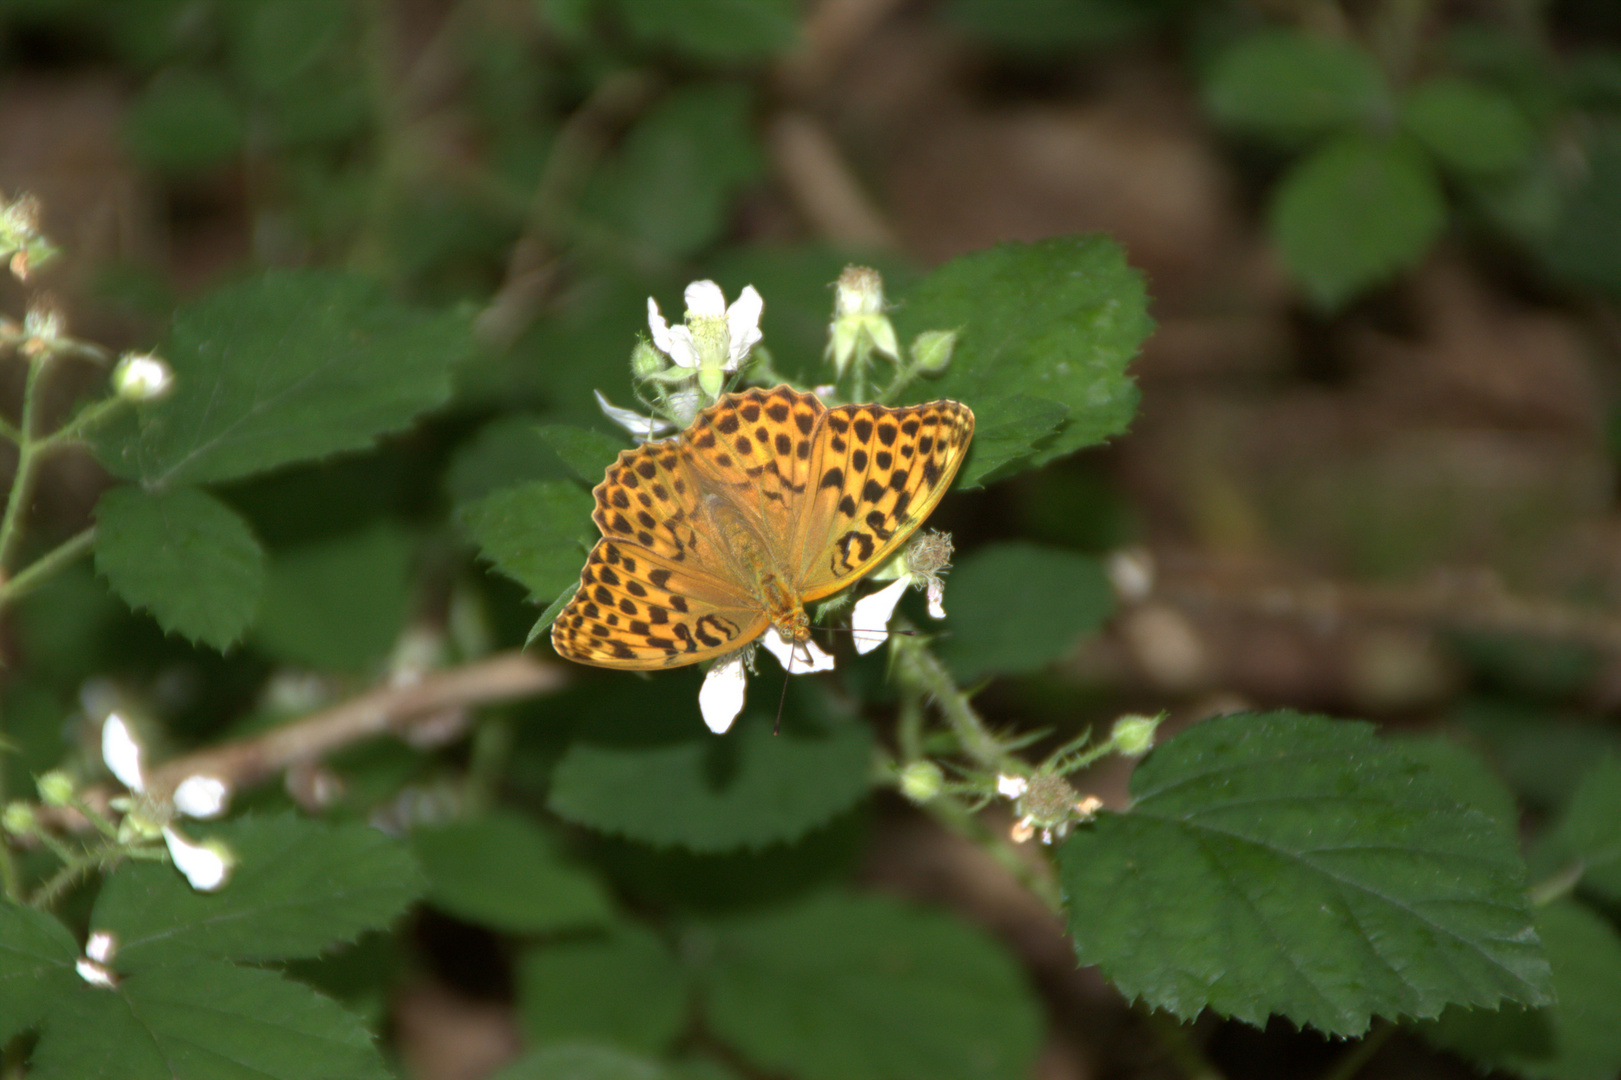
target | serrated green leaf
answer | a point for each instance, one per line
(536, 534)
(549, 616)
(625, 989)
(37, 955)
(717, 30)
(1007, 429)
(587, 453)
(502, 871)
(1468, 125)
(1014, 608)
(184, 121)
(747, 790)
(1057, 321)
(338, 604)
(204, 1020)
(298, 887)
(1590, 830)
(505, 452)
(291, 366)
(668, 192)
(581, 1061)
(1353, 214)
(1290, 85)
(1469, 779)
(1579, 1037)
(863, 988)
(1290, 865)
(183, 555)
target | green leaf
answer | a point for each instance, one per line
(339, 603)
(1014, 608)
(1056, 321)
(183, 555)
(668, 193)
(625, 989)
(1007, 429)
(536, 533)
(37, 955)
(1579, 1037)
(1470, 780)
(291, 366)
(184, 121)
(1289, 85)
(553, 610)
(863, 988)
(746, 790)
(582, 1061)
(505, 452)
(1468, 126)
(1590, 830)
(279, 44)
(1295, 865)
(717, 30)
(504, 872)
(587, 453)
(298, 887)
(1353, 214)
(204, 1020)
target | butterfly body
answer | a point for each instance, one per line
(768, 501)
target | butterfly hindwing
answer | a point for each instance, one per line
(878, 474)
(636, 608)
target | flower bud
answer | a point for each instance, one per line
(932, 349)
(645, 360)
(921, 781)
(1134, 734)
(142, 377)
(19, 819)
(55, 789)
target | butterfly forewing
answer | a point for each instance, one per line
(755, 449)
(878, 474)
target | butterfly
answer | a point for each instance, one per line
(768, 501)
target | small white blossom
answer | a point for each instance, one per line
(921, 564)
(122, 753)
(101, 947)
(206, 865)
(715, 339)
(142, 377)
(720, 698)
(95, 974)
(1011, 787)
(201, 797)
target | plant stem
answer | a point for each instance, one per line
(47, 565)
(1351, 1064)
(919, 667)
(955, 816)
(10, 881)
(22, 482)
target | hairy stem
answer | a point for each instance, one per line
(47, 566)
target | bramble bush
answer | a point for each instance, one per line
(274, 700)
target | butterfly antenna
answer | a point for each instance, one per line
(776, 729)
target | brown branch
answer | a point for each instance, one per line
(504, 677)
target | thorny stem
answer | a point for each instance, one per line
(951, 813)
(918, 667)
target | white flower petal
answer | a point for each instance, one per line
(641, 428)
(796, 659)
(937, 595)
(205, 868)
(682, 349)
(94, 974)
(721, 697)
(1011, 787)
(705, 300)
(659, 328)
(743, 325)
(122, 753)
(869, 620)
(201, 797)
(101, 947)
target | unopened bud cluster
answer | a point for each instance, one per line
(21, 243)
